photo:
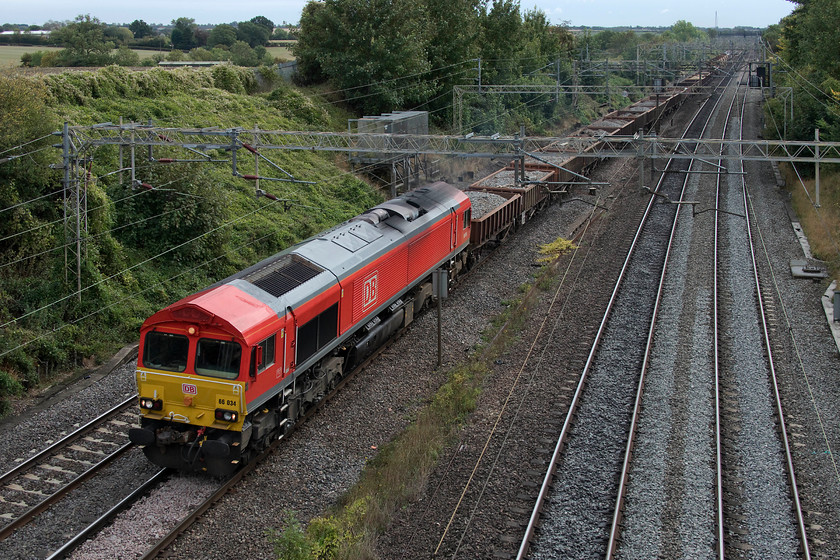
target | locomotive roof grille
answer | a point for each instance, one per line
(284, 275)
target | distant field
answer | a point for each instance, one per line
(281, 52)
(10, 56)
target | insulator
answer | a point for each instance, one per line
(249, 147)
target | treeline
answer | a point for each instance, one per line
(624, 43)
(806, 57)
(389, 54)
(385, 55)
(86, 41)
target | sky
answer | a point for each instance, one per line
(603, 13)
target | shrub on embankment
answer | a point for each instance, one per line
(143, 249)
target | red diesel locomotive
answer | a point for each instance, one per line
(223, 371)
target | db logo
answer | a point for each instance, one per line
(371, 289)
(189, 389)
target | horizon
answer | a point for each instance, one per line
(575, 13)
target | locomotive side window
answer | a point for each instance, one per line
(166, 351)
(315, 334)
(266, 355)
(218, 358)
(467, 215)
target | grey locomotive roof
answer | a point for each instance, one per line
(320, 261)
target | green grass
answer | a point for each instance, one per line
(193, 198)
(10, 55)
(283, 53)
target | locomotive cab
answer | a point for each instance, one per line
(192, 376)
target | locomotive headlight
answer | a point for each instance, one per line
(226, 415)
(151, 404)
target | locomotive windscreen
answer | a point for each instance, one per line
(166, 351)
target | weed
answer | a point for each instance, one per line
(821, 225)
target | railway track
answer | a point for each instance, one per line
(672, 513)
(596, 442)
(748, 504)
(179, 527)
(486, 516)
(547, 380)
(65, 550)
(39, 482)
(221, 488)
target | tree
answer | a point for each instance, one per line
(282, 34)
(223, 34)
(242, 54)
(120, 35)
(315, 21)
(201, 36)
(52, 25)
(84, 42)
(252, 33)
(183, 35)
(126, 57)
(812, 36)
(501, 42)
(263, 21)
(453, 31)
(175, 55)
(773, 36)
(141, 29)
(685, 31)
(808, 40)
(375, 49)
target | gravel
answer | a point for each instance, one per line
(177, 498)
(764, 498)
(608, 124)
(484, 202)
(583, 492)
(507, 178)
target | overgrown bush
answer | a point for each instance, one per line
(226, 78)
(290, 543)
(143, 249)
